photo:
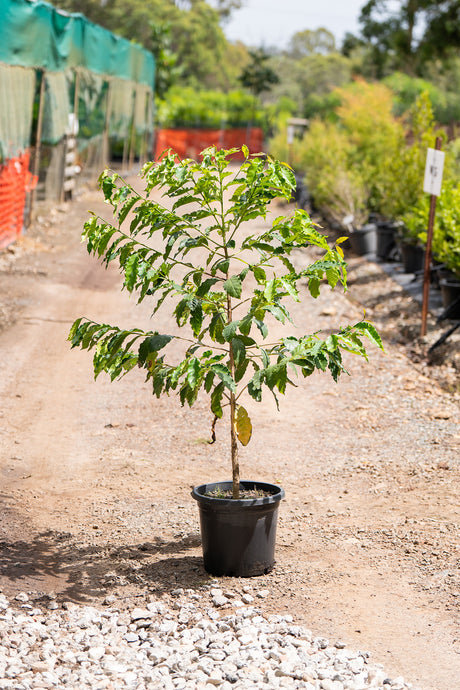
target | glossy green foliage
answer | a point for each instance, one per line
(224, 282)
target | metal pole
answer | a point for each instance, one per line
(38, 136)
(429, 240)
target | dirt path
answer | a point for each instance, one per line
(95, 493)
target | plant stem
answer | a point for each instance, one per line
(233, 439)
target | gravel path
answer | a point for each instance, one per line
(187, 646)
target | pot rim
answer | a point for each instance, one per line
(276, 494)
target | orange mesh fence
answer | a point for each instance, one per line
(15, 182)
(188, 143)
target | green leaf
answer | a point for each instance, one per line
(205, 286)
(74, 328)
(262, 327)
(245, 325)
(216, 400)
(153, 343)
(333, 276)
(270, 290)
(126, 208)
(196, 317)
(193, 372)
(259, 274)
(208, 381)
(313, 286)
(370, 332)
(243, 426)
(255, 385)
(216, 328)
(241, 370)
(233, 286)
(230, 330)
(276, 376)
(239, 351)
(290, 288)
(224, 374)
(278, 312)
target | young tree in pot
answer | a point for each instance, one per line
(223, 282)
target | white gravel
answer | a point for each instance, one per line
(189, 644)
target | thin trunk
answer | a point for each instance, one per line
(233, 438)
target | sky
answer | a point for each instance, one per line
(270, 23)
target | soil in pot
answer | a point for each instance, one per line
(238, 536)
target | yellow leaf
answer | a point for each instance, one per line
(341, 240)
(243, 426)
(339, 251)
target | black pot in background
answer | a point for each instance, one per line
(386, 241)
(238, 537)
(412, 256)
(450, 293)
(364, 240)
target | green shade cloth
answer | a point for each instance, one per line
(35, 34)
(17, 88)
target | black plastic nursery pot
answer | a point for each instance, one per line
(238, 536)
(413, 257)
(364, 240)
(450, 292)
(386, 241)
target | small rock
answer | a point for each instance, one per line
(131, 637)
(22, 596)
(263, 593)
(220, 600)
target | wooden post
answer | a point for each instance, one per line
(429, 240)
(76, 94)
(38, 137)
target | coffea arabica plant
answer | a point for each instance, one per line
(222, 285)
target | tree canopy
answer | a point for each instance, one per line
(407, 34)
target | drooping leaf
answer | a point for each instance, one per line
(243, 426)
(153, 343)
(216, 400)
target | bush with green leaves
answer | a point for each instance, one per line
(446, 231)
(187, 107)
(224, 283)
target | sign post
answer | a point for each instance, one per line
(432, 185)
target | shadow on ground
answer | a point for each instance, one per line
(53, 563)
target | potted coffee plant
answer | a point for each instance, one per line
(223, 287)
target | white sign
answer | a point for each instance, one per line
(433, 172)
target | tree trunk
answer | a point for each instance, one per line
(233, 438)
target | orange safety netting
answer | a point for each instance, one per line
(15, 182)
(188, 143)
